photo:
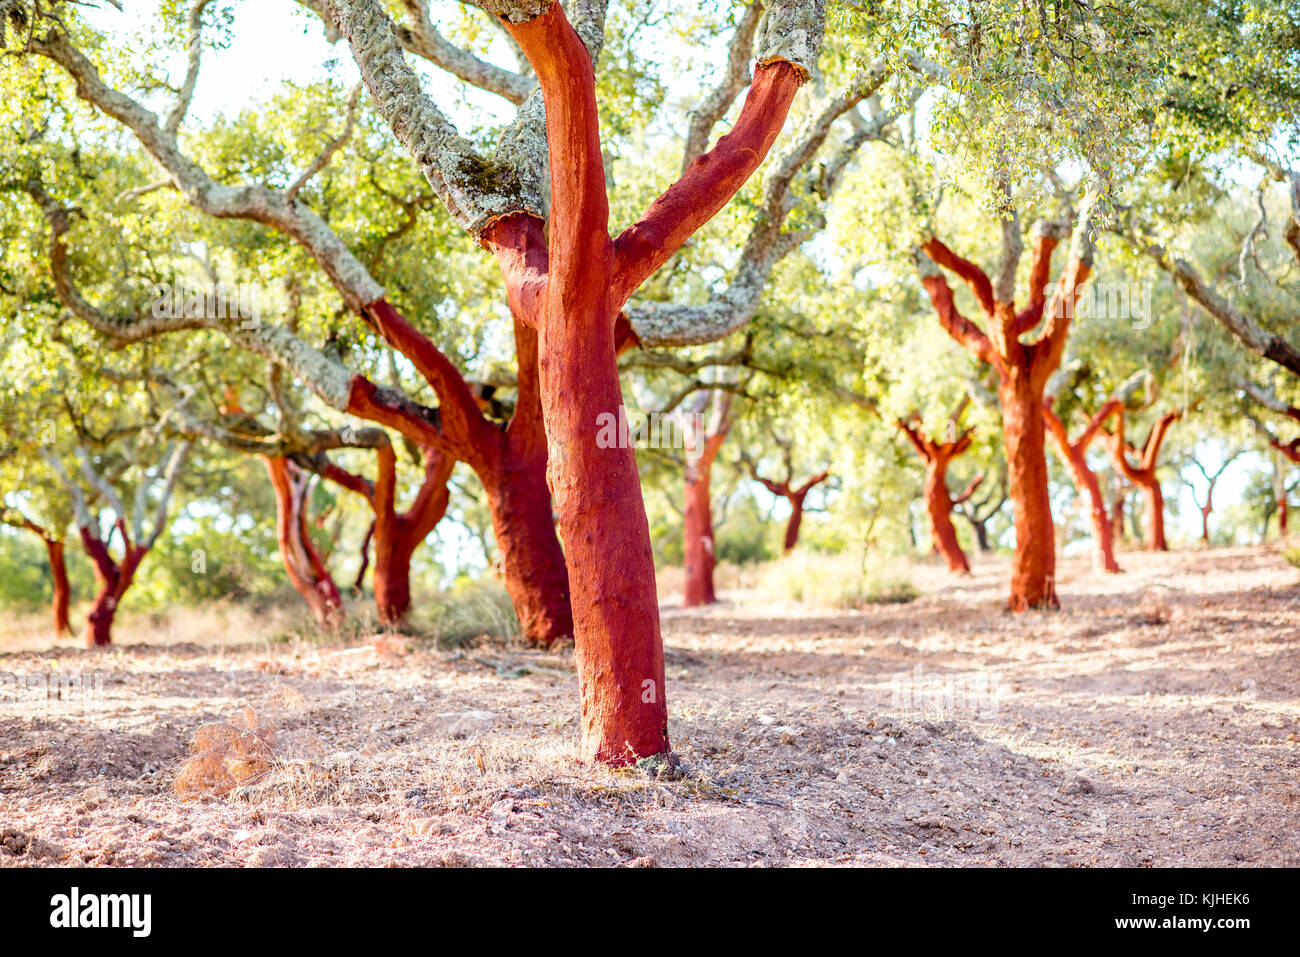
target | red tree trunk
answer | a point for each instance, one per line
(702, 447)
(398, 534)
(1075, 456)
(1033, 565)
(1281, 517)
(1144, 474)
(700, 559)
(307, 573)
(532, 562)
(114, 578)
(607, 540)
(1154, 519)
(796, 497)
(792, 524)
(62, 591)
(938, 500)
(510, 462)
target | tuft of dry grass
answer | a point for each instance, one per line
(1153, 608)
(225, 755)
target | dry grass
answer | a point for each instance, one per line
(844, 581)
(213, 624)
(239, 752)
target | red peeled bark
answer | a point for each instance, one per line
(1033, 571)
(62, 591)
(1075, 455)
(1290, 449)
(938, 500)
(700, 556)
(114, 578)
(795, 495)
(575, 309)
(1144, 474)
(396, 535)
(1117, 512)
(510, 462)
(54, 550)
(1281, 517)
(307, 573)
(1023, 370)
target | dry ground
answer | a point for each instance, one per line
(1156, 720)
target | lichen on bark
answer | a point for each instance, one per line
(792, 31)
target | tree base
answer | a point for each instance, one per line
(1018, 605)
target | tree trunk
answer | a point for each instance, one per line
(982, 534)
(307, 573)
(398, 534)
(62, 591)
(602, 519)
(1144, 474)
(1154, 518)
(114, 579)
(938, 503)
(1023, 369)
(792, 525)
(700, 559)
(1281, 517)
(1075, 456)
(392, 583)
(532, 562)
(1103, 531)
(1033, 567)
(797, 495)
(1117, 517)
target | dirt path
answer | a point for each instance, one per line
(1155, 721)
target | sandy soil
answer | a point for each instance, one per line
(1154, 721)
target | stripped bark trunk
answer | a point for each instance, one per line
(62, 591)
(939, 501)
(302, 563)
(796, 495)
(1033, 565)
(703, 440)
(701, 557)
(1075, 456)
(1144, 475)
(1117, 513)
(395, 535)
(54, 551)
(510, 460)
(113, 579)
